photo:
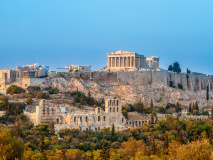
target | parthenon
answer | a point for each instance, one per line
(125, 60)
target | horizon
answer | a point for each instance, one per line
(57, 34)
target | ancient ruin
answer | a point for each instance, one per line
(130, 61)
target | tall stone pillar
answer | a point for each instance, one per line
(119, 61)
(108, 62)
(123, 62)
(115, 61)
(111, 61)
(130, 61)
(139, 62)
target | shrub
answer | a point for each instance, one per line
(32, 89)
(171, 84)
(13, 89)
(53, 90)
(41, 95)
(180, 86)
(162, 110)
(29, 100)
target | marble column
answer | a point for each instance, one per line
(119, 61)
(108, 62)
(123, 62)
(111, 61)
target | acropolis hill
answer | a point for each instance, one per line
(129, 76)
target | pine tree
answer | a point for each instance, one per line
(113, 132)
(63, 154)
(195, 136)
(180, 137)
(76, 98)
(153, 147)
(152, 104)
(90, 100)
(156, 116)
(42, 145)
(196, 106)
(177, 107)
(193, 107)
(212, 114)
(52, 128)
(166, 144)
(210, 138)
(152, 118)
(190, 108)
(83, 99)
(103, 151)
(17, 130)
(207, 93)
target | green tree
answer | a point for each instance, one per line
(83, 99)
(42, 144)
(76, 97)
(176, 67)
(52, 128)
(195, 136)
(212, 114)
(177, 107)
(29, 100)
(170, 68)
(210, 138)
(207, 93)
(190, 108)
(103, 154)
(151, 105)
(113, 132)
(180, 137)
(139, 106)
(153, 147)
(166, 144)
(13, 89)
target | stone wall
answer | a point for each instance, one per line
(190, 82)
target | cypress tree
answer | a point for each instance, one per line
(207, 93)
(210, 138)
(180, 138)
(52, 128)
(103, 154)
(177, 107)
(77, 100)
(195, 136)
(153, 147)
(212, 114)
(63, 154)
(193, 107)
(166, 144)
(196, 106)
(113, 132)
(152, 118)
(42, 145)
(152, 104)
(190, 108)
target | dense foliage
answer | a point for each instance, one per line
(13, 89)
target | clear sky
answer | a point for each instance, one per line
(63, 32)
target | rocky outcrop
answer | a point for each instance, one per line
(128, 93)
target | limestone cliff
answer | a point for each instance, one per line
(129, 93)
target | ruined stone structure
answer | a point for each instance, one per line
(125, 60)
(65, 116)
(23, 77)
(32, 71)
(77, 68)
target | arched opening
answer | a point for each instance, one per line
(113, 109)
(43, 112)
(96, 129)
(117, 109)
(110, 109)
(86, 119)
(52, 111)
(122, 119)
(57, 121)
(80, 119)
(74, 119)
(117, 102)
(104, 118)
(99, 118)
(99, 110)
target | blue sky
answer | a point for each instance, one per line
(63, 32)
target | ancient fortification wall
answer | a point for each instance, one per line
(190, 82)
